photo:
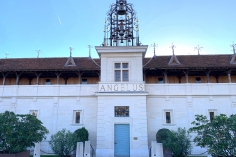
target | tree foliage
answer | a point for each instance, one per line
(17, 132)
(162, 134)
(178, 142)
(219, 135)
(62, 143)
(81, 135)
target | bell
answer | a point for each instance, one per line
(130, 34)
(121, 10)
(121, 33)
(121, 41)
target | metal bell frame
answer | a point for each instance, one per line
(121, 25)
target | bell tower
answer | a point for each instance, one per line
(121, 95)
(121, 25)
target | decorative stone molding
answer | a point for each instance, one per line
(233, 99)
(13, 101)
(189, 101)
(55, 100)
(34, 99)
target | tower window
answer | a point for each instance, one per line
(121, 72)
(117, 75)
(117, 65)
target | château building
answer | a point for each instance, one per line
(121, 98)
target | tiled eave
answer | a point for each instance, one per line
(187, 62)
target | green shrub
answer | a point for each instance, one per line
(63, 143)
(162, 134)
(178, 142)
(81, 135)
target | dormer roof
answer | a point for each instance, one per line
(174, 60)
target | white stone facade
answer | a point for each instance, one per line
(148, 103)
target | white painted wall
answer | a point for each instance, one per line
(56, 103)
(186, 101)
(132, 55)
(137, 121)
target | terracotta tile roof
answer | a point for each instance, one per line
(83, 63)
(45, 64)
(191, 61)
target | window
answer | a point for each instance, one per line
(117, 75)
(84, 81)
(160, 80)
(77, 117)
(198, 80)
(121, 111)
(168, 117)
(121, 72)
(47, 81)
(212, 113)
(34, 112)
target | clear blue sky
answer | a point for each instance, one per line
(53, 25)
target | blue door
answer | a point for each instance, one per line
(122, 140)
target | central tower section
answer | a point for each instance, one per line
(121, 97)
(121, 25)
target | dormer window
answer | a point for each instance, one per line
(198, 80)
(47, 81)
(84, 81)
(160, 80)
(121, 72)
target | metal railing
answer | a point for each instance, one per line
(92, 151)
(150, 151)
